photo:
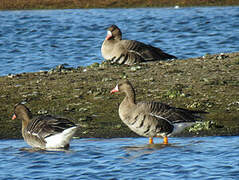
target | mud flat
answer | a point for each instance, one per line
(209, 83)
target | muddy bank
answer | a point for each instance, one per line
(209, 83)
(75, 4)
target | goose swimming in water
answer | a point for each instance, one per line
(44, 131)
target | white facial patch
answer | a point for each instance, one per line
(117, 87)
(109, 33)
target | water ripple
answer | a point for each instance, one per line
(42, 39)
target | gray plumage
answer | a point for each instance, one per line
(128, 52)
(152, 119)
(38, 131)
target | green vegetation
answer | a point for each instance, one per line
(208, 83)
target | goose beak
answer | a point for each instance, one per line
(14, 117)
(109, 35)
(116, 89)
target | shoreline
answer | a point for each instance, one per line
(209, 83)
(75, 4)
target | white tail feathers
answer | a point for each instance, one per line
(60, 140)
(178, 127)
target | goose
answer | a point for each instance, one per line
(44, 131)
(152, 119)
(120, 51)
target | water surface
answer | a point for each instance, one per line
(125, 158)
(42, 39)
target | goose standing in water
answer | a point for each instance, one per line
(152, 119)
(45, 131)
(115, 49)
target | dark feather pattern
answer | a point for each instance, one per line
(38, 131)
(152, 119)
(172, 114)
(47, 125)
(128, 52)
(145, 52)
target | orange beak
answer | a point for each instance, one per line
(14, 117)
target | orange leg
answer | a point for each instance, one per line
(151, 141)
(165, 140)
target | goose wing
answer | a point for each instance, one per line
(135, 51)
(172, 114)
(45, 126)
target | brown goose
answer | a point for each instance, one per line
(152, 119)
(45, 131)
(129, 52)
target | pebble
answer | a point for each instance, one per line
(135, 68)
(42, 112)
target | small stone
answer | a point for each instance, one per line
(90, 92)
(106, 79)
(118, 126)
(205, 80)
(151, 79)
(42, 112)
(72, 109)
(83, 109)
(135, 68)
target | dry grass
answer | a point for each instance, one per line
(37, 4)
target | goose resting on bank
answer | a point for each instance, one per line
(152, 119)
(45, 131)
(115, 49)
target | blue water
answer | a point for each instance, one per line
(40, 40)
(125, 158)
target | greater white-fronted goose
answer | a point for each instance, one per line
(152, 119)
(117, 50)
(44, 131)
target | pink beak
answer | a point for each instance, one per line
(113, 91)
(14, 117)
(109, 35)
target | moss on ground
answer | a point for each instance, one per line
(209, 83)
